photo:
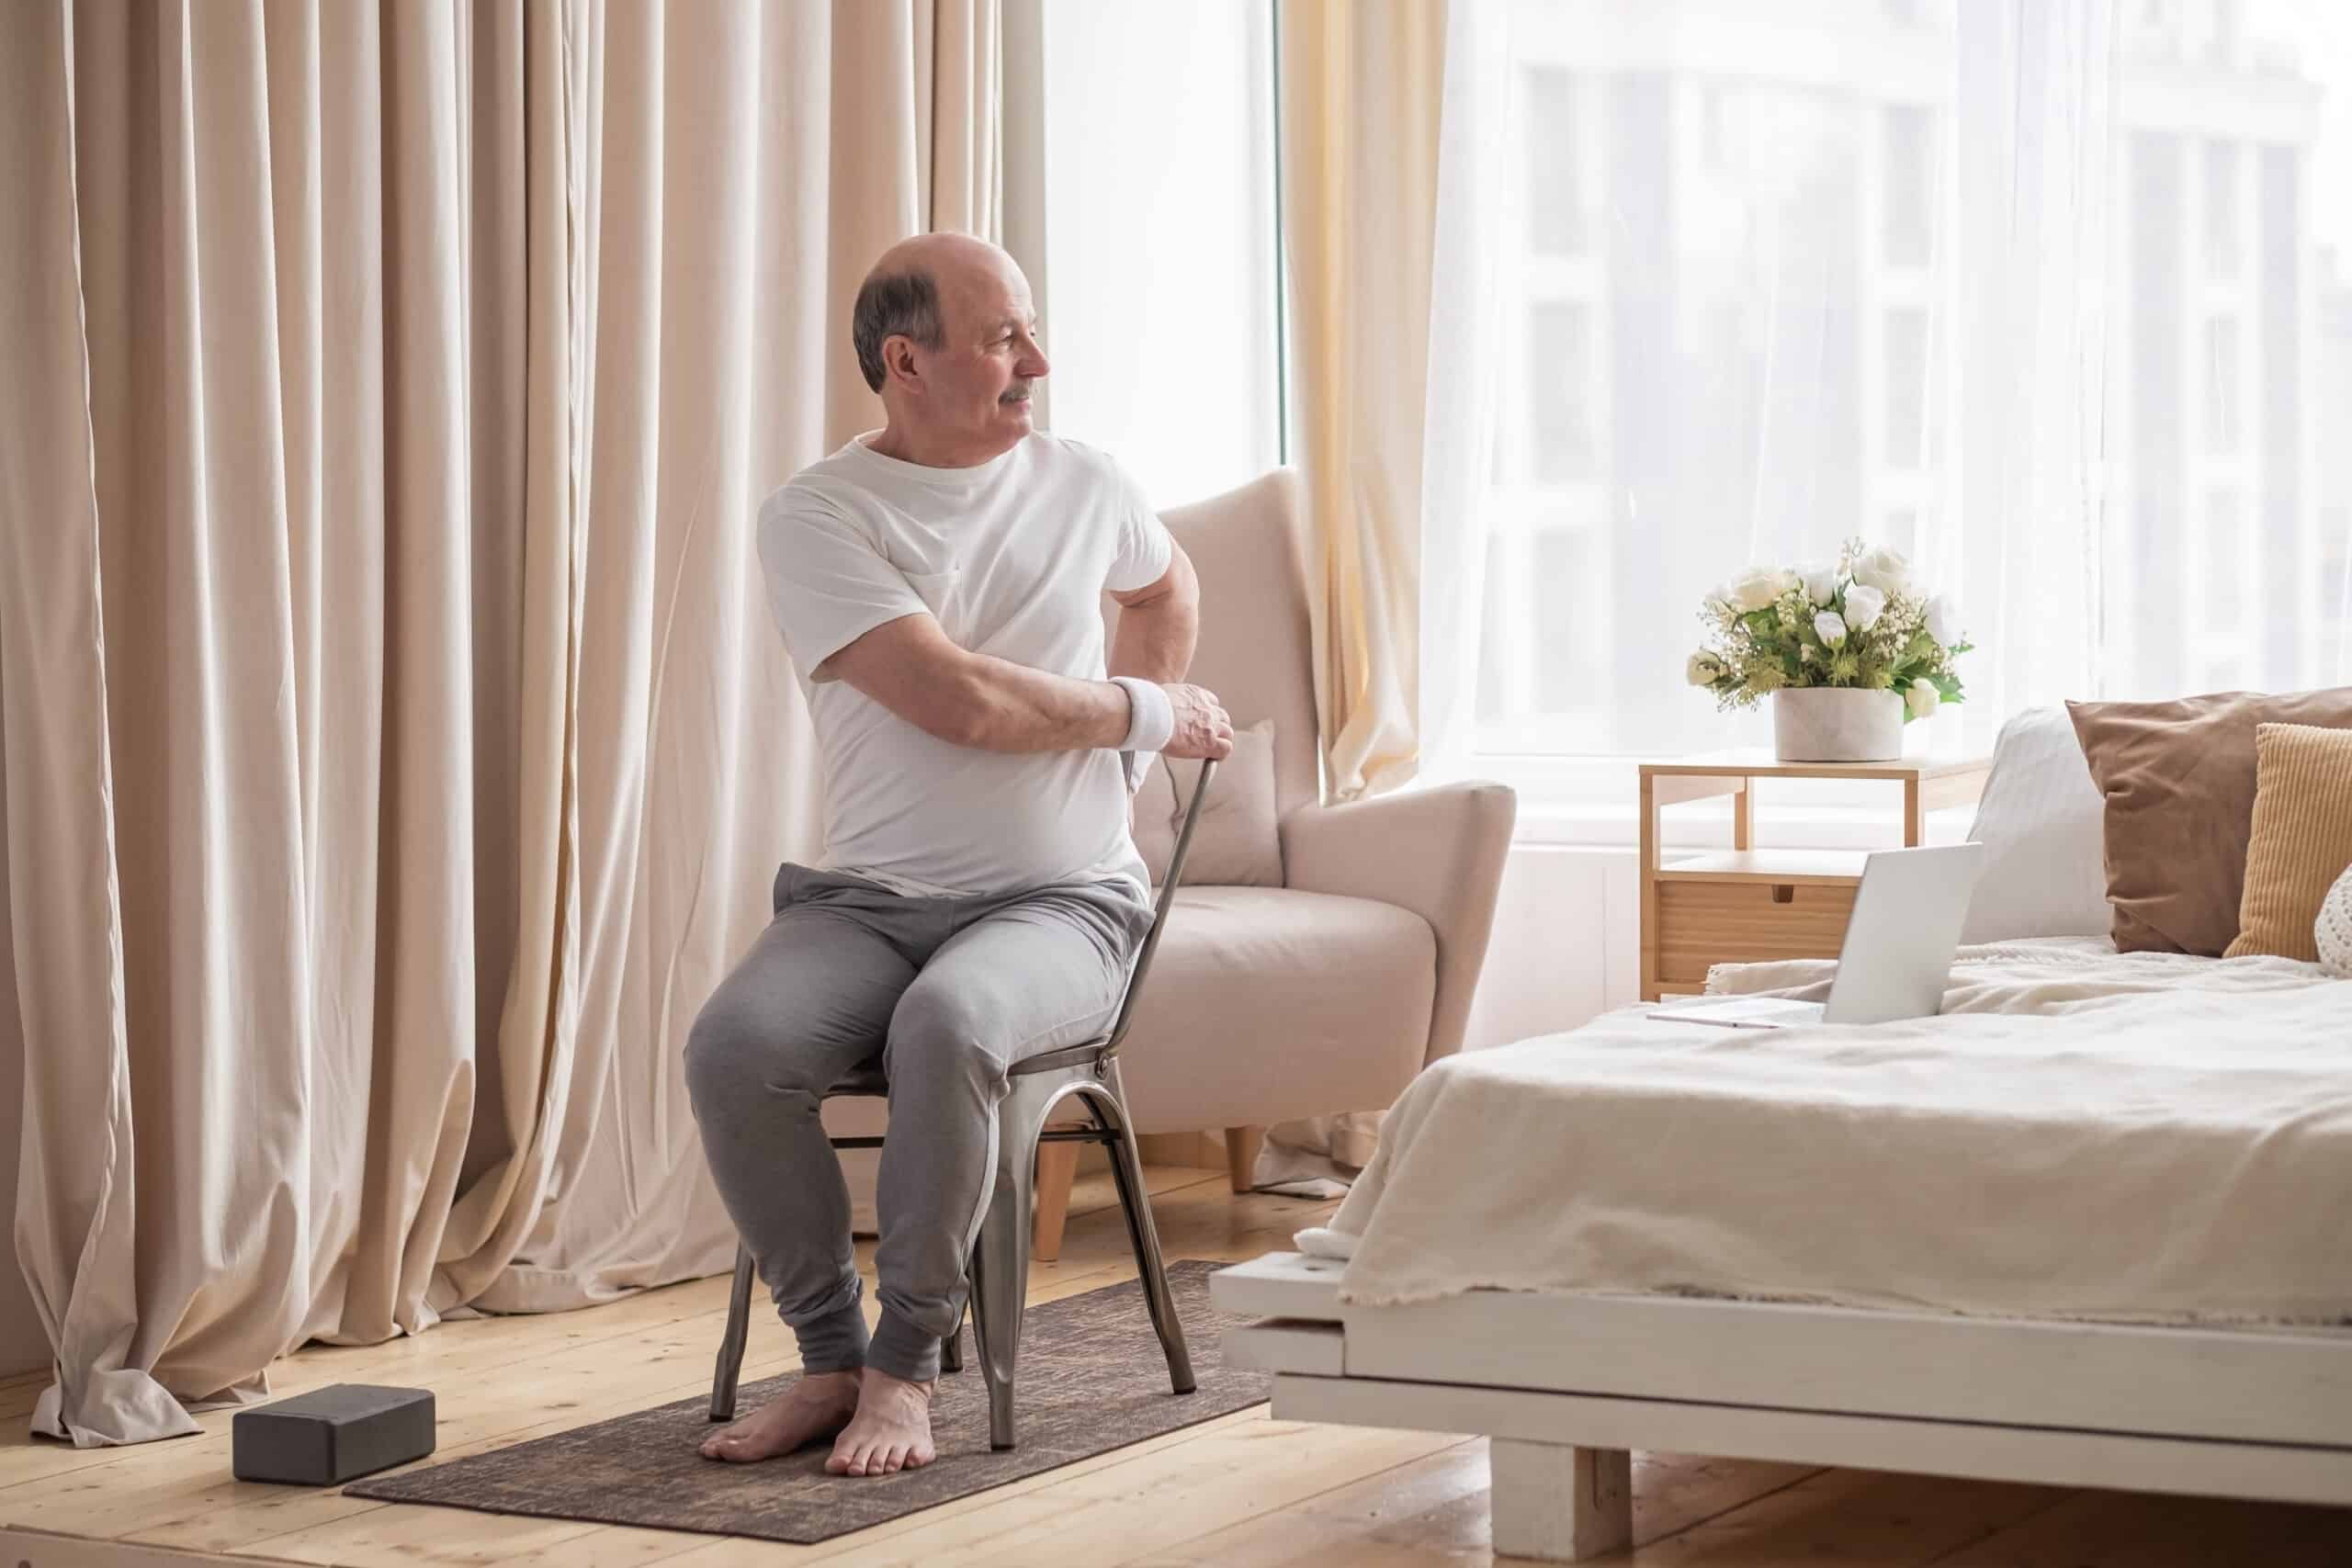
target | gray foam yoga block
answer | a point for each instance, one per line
(331, 1434)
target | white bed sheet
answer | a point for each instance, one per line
(2136, 1137)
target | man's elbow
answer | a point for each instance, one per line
(960, 725)
(929, 684)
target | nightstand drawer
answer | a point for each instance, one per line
(1700, 923)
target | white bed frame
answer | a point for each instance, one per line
(1568, 1386)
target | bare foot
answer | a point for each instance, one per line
(817, 1406)
(891, 1430)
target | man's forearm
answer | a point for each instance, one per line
(1017, 708)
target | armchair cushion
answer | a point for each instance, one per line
(1265, 1003)
(1437, 852)
(1235, 843)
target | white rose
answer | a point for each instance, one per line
(1755, 588)
(1704, 670)
(1821, 583)
(1829, 628)
(1864, 605)
(1944, 620)
(1922, 699)
(1884, 569)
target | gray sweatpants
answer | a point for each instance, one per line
(947, 993)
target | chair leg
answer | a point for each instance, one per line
(951, 1349)
(1000, 1275)
(1057, 1170)
(1126, 1166)
(731, 1348)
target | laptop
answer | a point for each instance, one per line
(1897, 954)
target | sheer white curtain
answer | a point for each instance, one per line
(2019, 527)
(2044, 293)
(1475, 219)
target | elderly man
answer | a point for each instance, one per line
(938, 585)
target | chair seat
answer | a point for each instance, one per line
(870, 1081)
(1267, 1003)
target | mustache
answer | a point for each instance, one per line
(1017, 394)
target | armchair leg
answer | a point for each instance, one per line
(1056, 1169)
(1241, 1146)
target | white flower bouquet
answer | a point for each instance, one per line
(1860, 623)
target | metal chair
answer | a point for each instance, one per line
(997, 1273)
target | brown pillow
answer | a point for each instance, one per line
(2179, 778)
(1236, 844)
(2302, 837)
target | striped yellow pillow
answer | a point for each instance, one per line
(2302, 837)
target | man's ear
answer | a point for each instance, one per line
(899, 357)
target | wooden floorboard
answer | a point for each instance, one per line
(1238, 1492)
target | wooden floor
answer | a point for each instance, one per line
(1240, 1492)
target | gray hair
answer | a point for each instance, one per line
(894, 305)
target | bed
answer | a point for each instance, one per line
(2091, 1225)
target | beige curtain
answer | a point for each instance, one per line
(1362, 85)
(396, 745)
(1362, 88)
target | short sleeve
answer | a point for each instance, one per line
(1145, 547)
(828, 585)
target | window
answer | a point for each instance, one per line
(1559, 367)
(1555, 195)
(1759, 307)
(2222, 373)
(2224, 585)
(1906, 387)
(2335, 609)
(1494, 680)
(1908, 186)
(1158, 276)
(1562, 555)
(2221, 218)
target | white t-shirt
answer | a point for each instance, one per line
(1012, 558)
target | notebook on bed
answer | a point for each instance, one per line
(1898, 953)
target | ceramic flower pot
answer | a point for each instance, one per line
(1836, 724)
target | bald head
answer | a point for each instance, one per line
(944, 330)
(913, 288)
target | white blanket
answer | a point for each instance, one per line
(2130, 1137)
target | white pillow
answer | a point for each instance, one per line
(2334, 930)
(2042, 821)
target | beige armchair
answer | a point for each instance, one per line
(1330, 992)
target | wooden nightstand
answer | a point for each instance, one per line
(1753, 905)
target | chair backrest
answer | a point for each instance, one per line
(1161, 905)
(1247, 548)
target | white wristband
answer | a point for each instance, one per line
(1151, 721)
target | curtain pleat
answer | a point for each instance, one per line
(1362, 87)
(396, 749)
